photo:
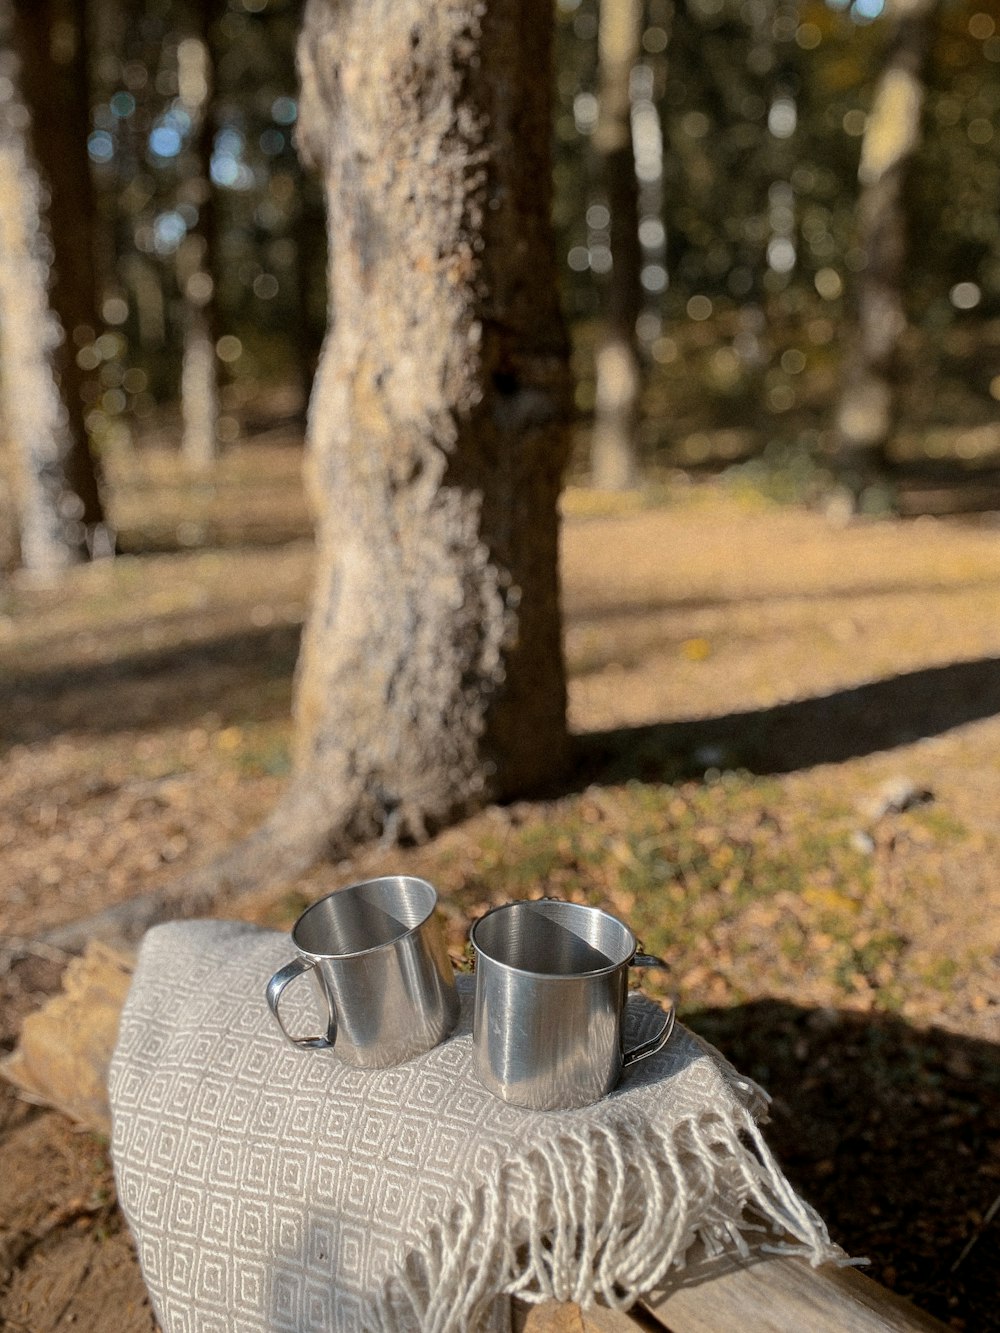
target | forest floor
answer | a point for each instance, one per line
(788, 781)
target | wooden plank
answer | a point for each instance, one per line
(65, 1047)
(565, 1317)
(779, 1294)
(768, 1294)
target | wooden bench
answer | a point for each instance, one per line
(62, 1060)
(768, 1294)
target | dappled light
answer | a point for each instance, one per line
(550, 451)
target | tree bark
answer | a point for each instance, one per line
(431, 677)
(614, 451)
(47, 287)
(867, 408)
(196, 256)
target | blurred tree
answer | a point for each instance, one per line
(614, 463)
(431, 676)
(866, 412)
(47, 294)
(196, 254)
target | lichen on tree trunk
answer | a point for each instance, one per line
(867, 408)
(431, 677)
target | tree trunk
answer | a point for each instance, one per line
(196, 256)
(614, 454)
(431, 677)
(199, 384)
(47, 279)
(866, 413)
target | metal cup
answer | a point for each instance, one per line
(378, 957)
(551, 989)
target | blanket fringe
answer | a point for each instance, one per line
(599, 1213)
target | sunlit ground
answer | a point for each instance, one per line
(822, 936)
(149, 701)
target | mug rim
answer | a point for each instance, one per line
(553, 976)
(372, 948)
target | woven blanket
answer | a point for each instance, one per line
(276, 1189)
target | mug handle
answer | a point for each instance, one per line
(657, 1042)
(277, 984)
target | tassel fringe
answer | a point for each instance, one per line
(600, 1213)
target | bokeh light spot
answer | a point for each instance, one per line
(695, 124)
(585, 112)
(664, 351)
(100, 146)
(828, 283)
(600, 258)
(780, 254)
(169, 230)
(265, 286)
(965, 295)
(122, 105)
(653, 278)
(115, 310)
(229, 348)
(699, 307)
(782, 118)
(165, 140)
(652, 233)
(980, 130)
(284, 110)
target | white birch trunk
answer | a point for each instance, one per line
(614, 445)
(199, 365)
(46, 268)
(33, 410)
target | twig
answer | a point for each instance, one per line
(991, 1213)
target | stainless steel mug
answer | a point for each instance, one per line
(378, 956)
(551, 990)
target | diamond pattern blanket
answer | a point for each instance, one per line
(274, 1189)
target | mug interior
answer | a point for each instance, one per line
(553, 938)
(364, 916)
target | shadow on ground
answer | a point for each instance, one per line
(248, 675)
(942, 490)
(893, 1134)
(826, 729)
(624, 612)
(165, 539)
(239, 677)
